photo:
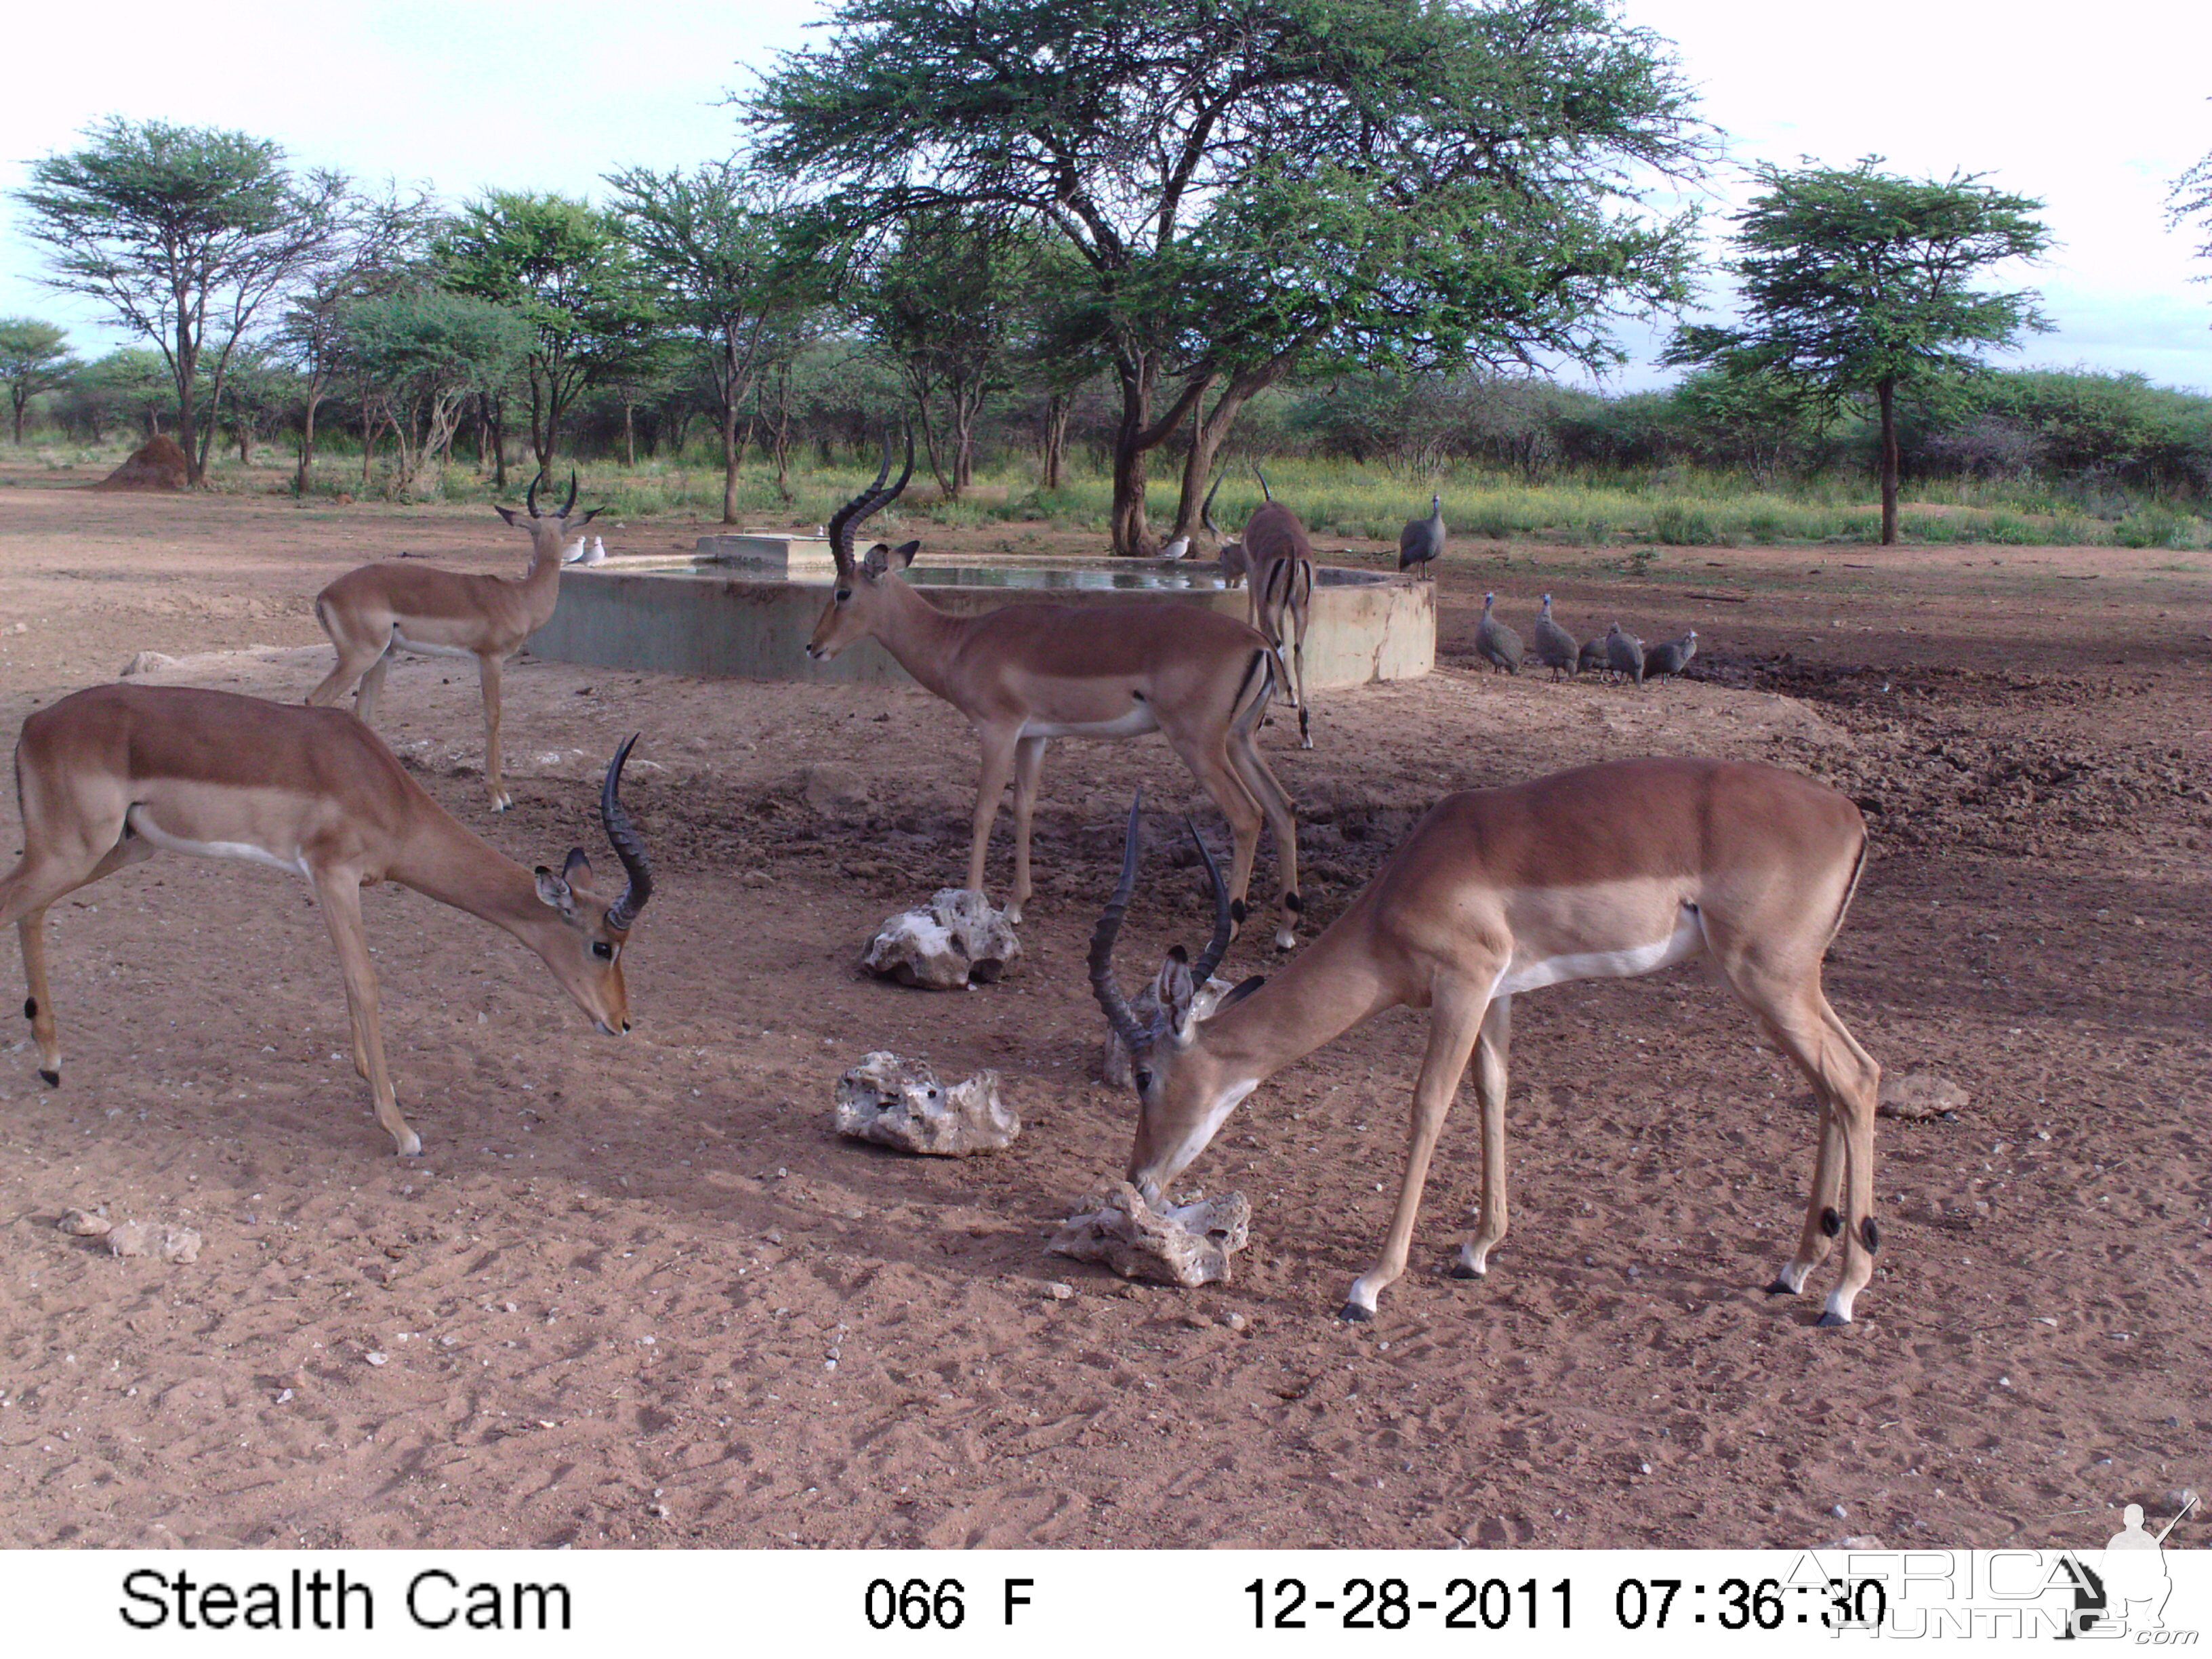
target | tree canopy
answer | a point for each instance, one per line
(184, 233)
(1858, 282)
(1247, 183)
(35, 358)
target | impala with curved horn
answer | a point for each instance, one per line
(1025, 674)
(440, 613)
(1604, 872)
(111, 775)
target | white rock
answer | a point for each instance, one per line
(1189, 1245)
(957, 941)
(899, 1103)
(1918, 1095)
(86, 1224)
(143, 662)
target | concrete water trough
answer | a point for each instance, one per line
(744, 606)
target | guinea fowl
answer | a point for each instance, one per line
(1590, 659)
(1556, 648)
(1670, 657)
(1624, 654)
(1497, 644)
(1422, 539)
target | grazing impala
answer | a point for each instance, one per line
(1604, 872)
(1027, 673)
(114, 774)
(440, 613)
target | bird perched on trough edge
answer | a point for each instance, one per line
(1555, 647)
(1670, 657)
(1624, 654)
(1495, 642)
(1422, 539)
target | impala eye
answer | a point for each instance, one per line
(843, 594)
(602, 950)
(1144, 1081)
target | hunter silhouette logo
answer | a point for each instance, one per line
(2127, 1591)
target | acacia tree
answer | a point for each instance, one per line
(1859, 283)
(946, 301)
(35, 358)
(378, 245)
(717, 246)
(184, 233)
(418, 358)
(1250, 182)
(565, 267)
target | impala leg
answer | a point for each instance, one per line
(1259, 780)
(25, 897)
(1028, 762)
(1298, 671)
(1491, 1050)
(1454, 1025)
(339, 894)
(372, 689)
(998, 749)
(356, 657)
(1213, 766)
(488, 676)
(1844, 1078)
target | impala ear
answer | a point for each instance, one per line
(506, 512)
(877, 559)
(552, 890)
(1176, 992)
(903, 555)
(582, 518)
(1230, 998)
(577, 865)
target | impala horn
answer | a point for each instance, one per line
(1224, 921)
(1101, 940)
(569, 506)
(866, 505)
(628, 845)
(530, 496)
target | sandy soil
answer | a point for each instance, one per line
(638, 1293)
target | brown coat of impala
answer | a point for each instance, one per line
(441, 613)
(1279, 556)
(1027, 673)
(1604, 872)
(111, 775)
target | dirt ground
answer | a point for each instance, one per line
(637, 1292)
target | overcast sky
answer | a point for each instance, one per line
(2095, 115)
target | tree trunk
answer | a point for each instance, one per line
(1057, 409)
(1134, 439)
(1208, 435)
(629, 435)
(729, 463)
(304, 473)
(19, 402)
(1886, 390)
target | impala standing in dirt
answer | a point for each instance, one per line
(1604, 872)
(440, 613)
(1025, 674)
(111, 775)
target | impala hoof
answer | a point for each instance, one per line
(412, 1146)
(1353, 1314)
(1781, 1287)
(1461, 1270)
(1831, 1318)
(53, 1080)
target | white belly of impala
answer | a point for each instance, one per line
(1525, 973)
(421, 649)
(1139, 721)
(143, 825)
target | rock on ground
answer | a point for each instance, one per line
(899, 1103)
(1187, 1245)
(1919, 1094)
(957, 940)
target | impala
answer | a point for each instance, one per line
(1280, 557)
(1025, 674)
(111, 775)
(369, 611)
(1604, 872)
